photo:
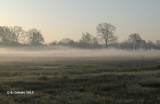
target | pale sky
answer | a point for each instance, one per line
(58, 19)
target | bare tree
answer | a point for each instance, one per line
(106, 32)
(20, 34)
(86, 38)
(35, 37)
(7, 36)
(135, 40)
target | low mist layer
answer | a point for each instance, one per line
(63, 53)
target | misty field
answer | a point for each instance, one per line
(80, 81)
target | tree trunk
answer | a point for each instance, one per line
(106, 43)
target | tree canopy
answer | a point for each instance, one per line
(106, 32)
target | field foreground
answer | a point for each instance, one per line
(80, 81)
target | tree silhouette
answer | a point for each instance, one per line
(106, 32)
(35, 37)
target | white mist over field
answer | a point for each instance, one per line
(16, 53)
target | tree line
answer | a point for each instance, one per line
(105, 38)
(14, 36)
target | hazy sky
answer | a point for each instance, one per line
(59, 19)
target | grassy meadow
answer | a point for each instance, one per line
(80, 81)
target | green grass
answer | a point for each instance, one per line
(78, 81)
